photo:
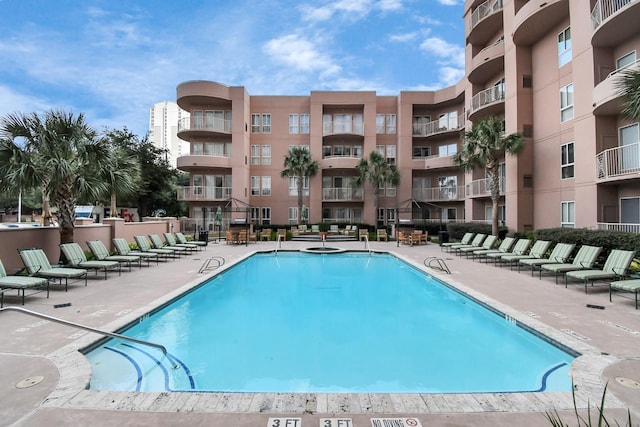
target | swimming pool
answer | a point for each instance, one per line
(348, 322)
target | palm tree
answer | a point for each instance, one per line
(482, 147)
(378, 172)
(629, 89)
(299, 164)
(59, 153)
(123, 174)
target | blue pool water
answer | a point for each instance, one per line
(354, 322)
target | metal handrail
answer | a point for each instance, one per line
(442, 265)
(84, 327)
(366, 244)
(278, 243)
(206, 265)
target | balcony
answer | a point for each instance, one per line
(486, 20)
(195, 161)
(537, 18)
(437, 127)
(606, 99)
(343, 127)
(342, 194)
(339, 162)
(480, 188)
(190, 127)
(203, 194)
(489, 100)
(619, 163)
(614, 21)
(434, 162)
(617, 226)
(438, 194)
(487, 63)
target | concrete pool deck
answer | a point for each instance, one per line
(44, 353)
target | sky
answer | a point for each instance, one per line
(113, 59)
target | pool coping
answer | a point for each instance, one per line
(75, 374)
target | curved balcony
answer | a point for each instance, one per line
(486, 21)
(614, 21)
(438, 127)
(487, 63)
(343, 127)
(198, 127)
(480, 188)
(202, 92)
(339, 162)
(619, 163)
(342, 194)
(438, 194)
(488, 102)
(537, 18)
(192, 162)
(203, 194)
(438, 162)
(606, 98)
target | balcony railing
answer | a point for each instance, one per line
(616, 226)
(354, 127)
(604, 9)
(341, 193)
(618, 162)
(480, 187)
(212, 124)
(436, 194)
(486, 97)
(201, 193)
(438, 126)
(487, 8)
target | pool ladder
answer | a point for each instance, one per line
(211, 264)
(366, 244)
(441, 265)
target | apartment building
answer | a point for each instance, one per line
(548, 67)
(163, 129)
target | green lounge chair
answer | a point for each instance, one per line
(466, 239)
(560, 254)
(625, 286)
(520, 248)
(475, 243)
(583, 260)
(37, 264)
(505, 246)
(539, 248)
(100, 252)
(615, 267)
(171, 241)
(181, 238)
(123, 249)
(488, 244)
(157, 243)
(21, 284)
(145, 246)
(77, 259)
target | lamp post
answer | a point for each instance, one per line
(218, 222)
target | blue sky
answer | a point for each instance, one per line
(113, 59)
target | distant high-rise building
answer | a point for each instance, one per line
(163, 129)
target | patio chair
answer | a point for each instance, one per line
(381, 234)
(157, 243)
(363, 234)
(466, 239)
(333, 229)
(265, 234)
(21, 284)
(539, 248)
(487, 244)
(625, 286)
(560, 254)
(505, 247)
(281, 233)
(76, 258)
(475, 243)
(315, 228)
(145, 246)
(520, 248)
(583, 260)
(100, 252)
(123, 249)
(181, 238)
(615, 267)
(171, 241)
(37, 264)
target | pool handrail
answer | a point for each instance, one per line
(206, 266)
(84, 327)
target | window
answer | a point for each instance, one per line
(566, 103)
(266, 154)
(293, 186)
(391, 123)
(626, 60)
(450, 214)
(266, 185)
(293, 215)
(630, 210)
(488, 213)
(255, 185)
(379, 123)
(568, 219)
(298, 123)
(198, 182)
(293, 123)
(448, 186)
(391, 154)
(255, 215)
(255, 154)
(261, 123)
(255, 123)
(564, 47)
(566, 162)
(381, 216)
(266, 215)
(266, 123)
(421, 152)
(420, 124)
(448, 121)
(630, 150)
(304, 123)
(447, 150)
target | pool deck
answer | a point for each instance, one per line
(45, 353)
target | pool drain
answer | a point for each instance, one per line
(30, 381)
(628, 382)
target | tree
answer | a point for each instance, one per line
(299, 164)
(60, 153)
(378, 172)
(629, 89)
(123, 174)
(482, 147)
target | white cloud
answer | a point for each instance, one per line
(447, 52)
(12, 101)
(449, 2)
(352, 10)
(450, 75)
(300, 53)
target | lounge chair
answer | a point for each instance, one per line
(37, 264)
(157, 243)
(21, 284)
(539, 248)
(381, 234)
(100, 252)
(583, 260)
(615, 267)
(487, 244)
(560, 254)
(77, 259)
(520, 248)
(505, 247)
(626, 286)
(123, 249)
(145, 246)
(181, 238)
(315, 228)
(171, 241)
(466, 239)
(475, 243)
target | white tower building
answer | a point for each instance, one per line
(163, 129)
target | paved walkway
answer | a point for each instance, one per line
(43, 377)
